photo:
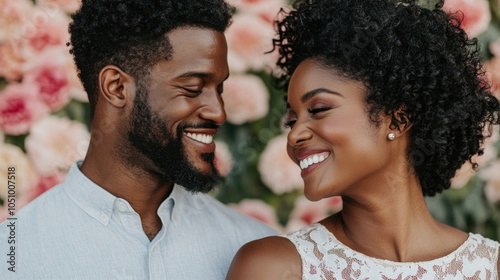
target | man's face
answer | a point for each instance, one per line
(176, 116)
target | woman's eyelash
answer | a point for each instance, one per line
(289, 124)
(317, 110)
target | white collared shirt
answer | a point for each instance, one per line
(78, 230)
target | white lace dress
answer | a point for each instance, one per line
(324, 257)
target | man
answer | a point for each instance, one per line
(134, 208)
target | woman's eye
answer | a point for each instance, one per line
(289, 123)
(316, 110)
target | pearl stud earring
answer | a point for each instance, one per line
(391, 136)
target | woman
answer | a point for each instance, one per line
(386, 100)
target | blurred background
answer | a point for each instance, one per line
(44, 117)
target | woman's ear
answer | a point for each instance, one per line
(400, 120)
(397, 123)
(115, 86)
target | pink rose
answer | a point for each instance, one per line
(491, 175)
(462, 176)
(54, 144)
(223, 159)
(44, 184)
(19, 108)
(492, 68)
(476, 14)
(69, 6)
(277, 170)
(45, 28)
(306, 212)
(49, 72)
(13, 14)
(465, 173)
(266, 9)
(76, 91)
(12, 60)
(25, 177)
(248, 38)
(245, 98)
(259, 210)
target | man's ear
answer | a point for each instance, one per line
(116, 86)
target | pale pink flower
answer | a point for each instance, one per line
(54, 144)
(69, 6)
(266, 9)
(277, 170)
(491, 175)
(25, 177)
(466, 172)
(334, 204)
(462, 176)
(248, 38)
(246, 98)
(45, 28)
(50, 73)
(19, 108)
(13, 15)
(76, 91)
(476, 14)
(12, 60)
(44, 184)
(306, 212)
(492, 68)
(495, 48)
(259, 210)
(223, 158)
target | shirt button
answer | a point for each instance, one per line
(122, 207)
(104, 218)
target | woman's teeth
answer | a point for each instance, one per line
(312, 160)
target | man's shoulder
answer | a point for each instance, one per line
(45, 209)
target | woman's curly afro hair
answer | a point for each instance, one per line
(131, 34)
(419, 67)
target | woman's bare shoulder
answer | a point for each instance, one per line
(271, 257)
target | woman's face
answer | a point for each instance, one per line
(340, 151)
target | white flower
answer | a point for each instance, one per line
(13, 157)
(54, 144)
(245, 98)
(277, 170)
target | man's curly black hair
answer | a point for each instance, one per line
(131, 34)
(419, 67)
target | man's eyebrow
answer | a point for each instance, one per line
(195, 74)
(200, 75)
(310, 94)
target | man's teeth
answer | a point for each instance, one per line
(311, 160)
(203, 138)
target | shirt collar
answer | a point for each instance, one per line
(91, 198)
(99, 203)
(177, 204)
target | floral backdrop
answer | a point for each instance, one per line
(44, 117)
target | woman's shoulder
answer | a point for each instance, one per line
(272, 257)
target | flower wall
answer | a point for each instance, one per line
(44, 116)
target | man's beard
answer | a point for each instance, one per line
(150, 136)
